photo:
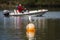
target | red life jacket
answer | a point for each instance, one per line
(20, 8)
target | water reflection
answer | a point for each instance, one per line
(40, 28)
(15, 28)
(17, 22)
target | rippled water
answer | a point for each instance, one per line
(14, 27)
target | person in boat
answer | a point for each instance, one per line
(20, 8)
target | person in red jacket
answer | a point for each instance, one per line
(20, 8)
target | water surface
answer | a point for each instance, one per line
(14, 27)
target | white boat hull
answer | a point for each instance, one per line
(34, 12)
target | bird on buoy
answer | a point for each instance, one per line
(30, 31)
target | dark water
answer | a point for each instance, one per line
(14, 27)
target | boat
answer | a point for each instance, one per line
(26, 12)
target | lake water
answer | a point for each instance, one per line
(14, 27)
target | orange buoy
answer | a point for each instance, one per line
(30, 30)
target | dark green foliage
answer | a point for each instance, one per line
(29, 3)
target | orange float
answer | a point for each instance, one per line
(30, 30)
